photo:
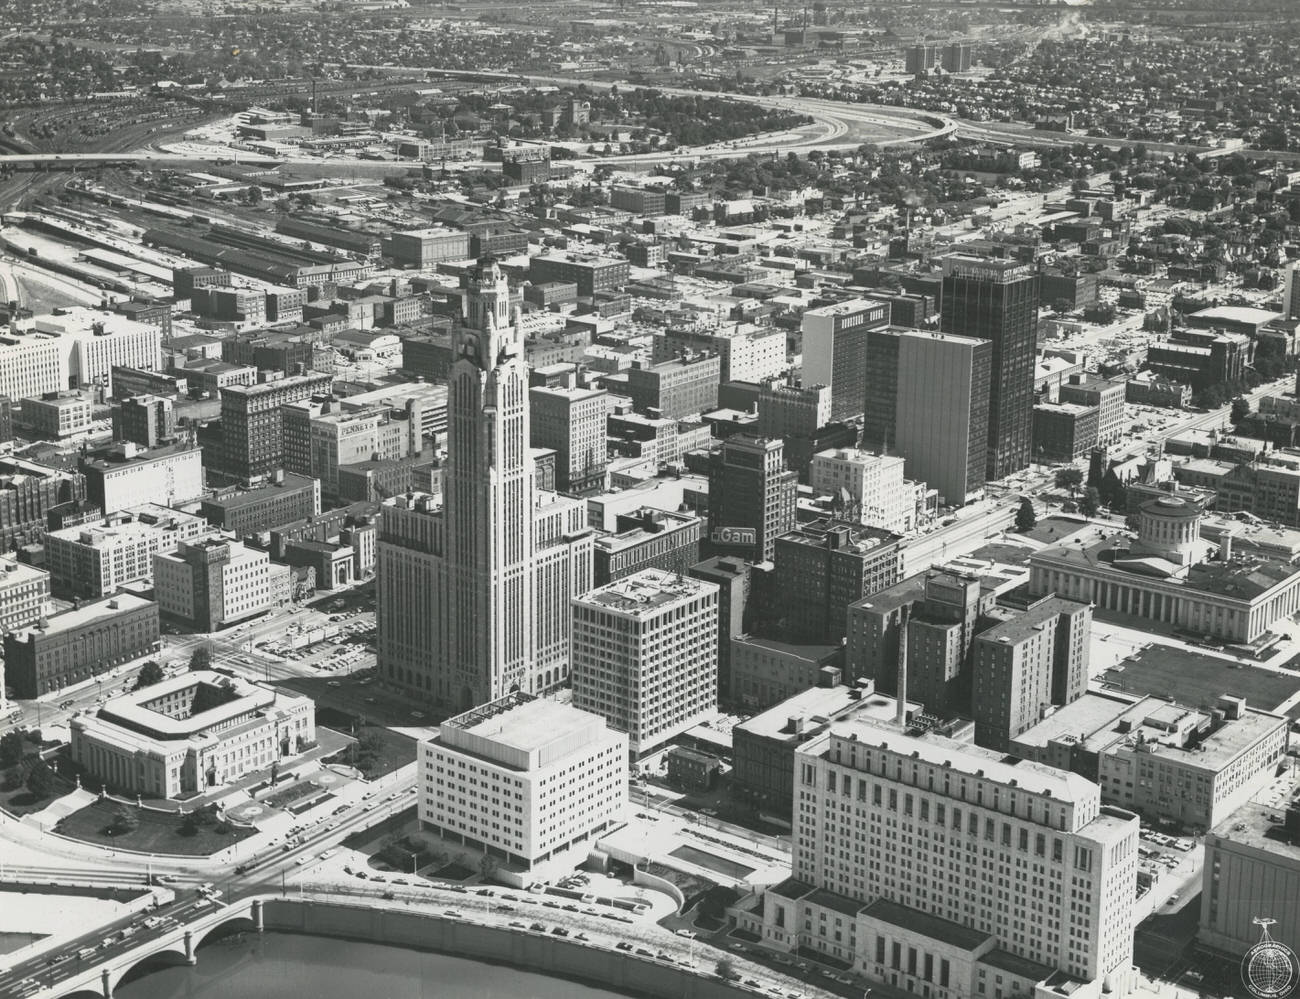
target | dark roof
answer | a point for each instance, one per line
(792, 888)
(925, 924)
(1014, 964)
(836, 902)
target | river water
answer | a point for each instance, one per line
(289, 966)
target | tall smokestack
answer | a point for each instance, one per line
(904, 615)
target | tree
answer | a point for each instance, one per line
(11, 749)
(150, 673)
(1026, 518)
(125, 820)
(1240, 410)
(1090, 502)
(201, 657)
(40, 780)
(487, 866)
(254, 195)
(368, 751)
(1069, 478)
(725, 969)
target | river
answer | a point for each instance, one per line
(290, 966)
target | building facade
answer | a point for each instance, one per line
(93, 561)
(955, 919)
(283, 500)
(835, 351)
(212, 583)
(869, 488)
(927, 400)
(572, 421)
(751, 496)
(997, 300)
(523, 779)
(77, 645)
(645, 655)
(506, 557)
(1022, 664)
(126, 477)
(252, 426)
(190, 734)
(823, 566)
(647, 539)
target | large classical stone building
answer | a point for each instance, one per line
(190, 733)
(1168, 574)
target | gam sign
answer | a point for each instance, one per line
(735, 536)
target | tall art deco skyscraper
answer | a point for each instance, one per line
(488, 493)
(474, 604)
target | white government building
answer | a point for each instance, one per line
(190, 733)
(955, 872)
(523, 779)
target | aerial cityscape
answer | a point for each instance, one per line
(650, 498)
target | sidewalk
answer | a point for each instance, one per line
(49, 816)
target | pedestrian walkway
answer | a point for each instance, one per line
(60, 808)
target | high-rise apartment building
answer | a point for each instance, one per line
(927, 399)
(645, 655)
(835, 351)
(751, 496)
(956, 57)
(571, 420)
(953, 871)
(497, 564)
(997, 300)
(252, 424)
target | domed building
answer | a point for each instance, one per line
(1169, 574)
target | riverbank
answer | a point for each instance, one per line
(290, 966)
(533, 951)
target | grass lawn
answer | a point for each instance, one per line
(21, 802)
(1051, 530)
(158, 832)
(998, 552)
(1198, 680)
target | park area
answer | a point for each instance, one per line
(107, 822)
